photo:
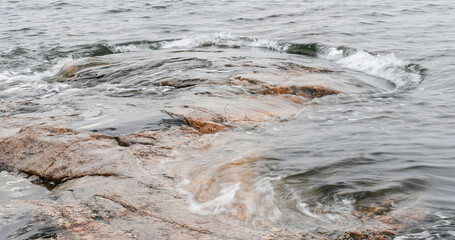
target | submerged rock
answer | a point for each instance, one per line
(210, 92)
(112, 186)
(109, 191)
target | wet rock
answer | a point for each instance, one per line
(305, 91)
(311, 80)
(54, 154)
(181, 83)
(210, 115)
(72, 72)
(200, 89)
(15, 108)
(129, 67)
(110, 191)
(111, 184)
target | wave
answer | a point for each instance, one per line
(136, 46)
(225, 40)
(403, 74)
(387, 66)
(30, 83)
(400, 72)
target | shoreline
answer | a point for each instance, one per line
(108, 187)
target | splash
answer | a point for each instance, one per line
(400, 72)
(403, 74)
(138, 46)
(225, 40)
(387, 66)
(220, 204)
(32, 83)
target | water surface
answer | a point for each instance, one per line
(339, 155)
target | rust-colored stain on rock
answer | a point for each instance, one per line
(304, 91)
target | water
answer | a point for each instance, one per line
(15, 220)
(339, 156)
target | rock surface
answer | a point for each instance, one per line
(107, 190)
(113, 186)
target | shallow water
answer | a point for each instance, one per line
(15, 220)
(339, 155)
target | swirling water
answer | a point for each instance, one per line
(345, 153)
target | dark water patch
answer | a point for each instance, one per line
(91, 51)
(124, 124)
(48, 184)
(101, 49)
(439, 225)
(21, 30)
(14, 52)
(160, 6)
(310, 49)
(33, 178)
(349, 162)
(24, 228)
(119, 10)
(62, 4)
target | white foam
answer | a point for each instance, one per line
(142, 47)
(400, 238)
(330, 210)
(440, 215)
(31, 83)
(264, 206)
(225, 39)
(303, 207)
(386, 66)
(222, 203)
(424, 234)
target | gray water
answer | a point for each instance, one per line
(349, 152)
(15, 220)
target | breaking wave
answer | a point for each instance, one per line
(387, 66)
(225, 40)
(31, 83)
(400, 72)
(403, 74)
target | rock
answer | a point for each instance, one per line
(60, 154)
(213, 91)
(109, 191)
(113, 186)
(210, 115)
